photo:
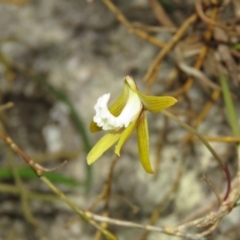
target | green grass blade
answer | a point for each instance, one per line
(79, 126)
(231, 113)
(27, 173)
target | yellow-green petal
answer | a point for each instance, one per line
(94, 127)
(155, 104)
(101, 146)
(115, 109)
(143, 143)
(130, 82)
(125, 135)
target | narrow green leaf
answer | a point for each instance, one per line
(101, 146)
(77, 120)
(28, 174)
(156, 104)
(143, 143)
(231, 113)
(125, 135)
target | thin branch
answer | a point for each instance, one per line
(203, 79)
(37, 168)
(217, 194)
(202, 55)
(122, 19)
(225, 139)
(76, 209)
(152, 71)
(160, 14)
(6, 106)
(153, 29)
(60, 194)
(201, 14)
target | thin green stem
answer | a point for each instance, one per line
(193, 131)
(231, 113)
(208, 146)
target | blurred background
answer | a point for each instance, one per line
(58, 57)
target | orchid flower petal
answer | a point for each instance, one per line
(104, 119)
(156, 104)
(130, 82)
(115, 109)
(94, 128)
(143, 143)
(121, 119)
(101, 146)
(125, 135)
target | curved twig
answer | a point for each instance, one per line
(201, 14)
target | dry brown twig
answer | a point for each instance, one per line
(201, 14)
(199, 62)
(193, 72)
(226, 55)
(140, 33)
(6, 106)
(152, 71)
(39, 170)
(161, 14)
(153, 29)
(217, 194)
(211, 219)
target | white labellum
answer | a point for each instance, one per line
(107, 121)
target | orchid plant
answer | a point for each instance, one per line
(125, 115)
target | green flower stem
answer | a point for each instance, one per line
(193, 131)
(208, 146)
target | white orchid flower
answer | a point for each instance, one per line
(125, 115)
